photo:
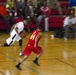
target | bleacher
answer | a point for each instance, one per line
(2, 0)
(55, 19)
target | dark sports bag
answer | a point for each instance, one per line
(58, 33)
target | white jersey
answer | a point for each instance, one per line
(20, 26)
(68, 21)
(13, 35)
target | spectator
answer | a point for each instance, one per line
(73, 10)
(21, 8)
(45, 13)
(30, 15)
(4, 17)
(39, 4)
(35, 10)
(10, 5)
(69, 23)
(54, 4)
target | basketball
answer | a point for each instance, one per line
(23, 34)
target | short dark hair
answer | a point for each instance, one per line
(40, 27)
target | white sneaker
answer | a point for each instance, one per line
(0, 45)
(52, 36)
(65, 38)
(20, 52)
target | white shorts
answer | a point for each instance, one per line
(13, 37)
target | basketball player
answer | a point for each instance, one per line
(32, 46)
(15, 35)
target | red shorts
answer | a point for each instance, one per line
(28, 49)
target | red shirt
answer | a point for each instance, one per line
(47, 11)
(33, 37)
(3, 11)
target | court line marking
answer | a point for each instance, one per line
(22, 64)
(2, 73)
(57, 43)
(1, 39)
(66, 63)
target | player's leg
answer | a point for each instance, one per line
(5, 45)
(23, 59)
(26, 54)
(20, 45)
(9, 42)
(39, 53)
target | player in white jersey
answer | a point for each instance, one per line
(15, 35)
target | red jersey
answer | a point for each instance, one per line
(30, 46)
(33, 37)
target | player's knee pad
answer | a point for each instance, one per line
(20, 42)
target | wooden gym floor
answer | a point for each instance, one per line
(59, 57)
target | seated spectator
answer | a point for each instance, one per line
(54, 4)
(45, 13)
(39, 4)
(4, 17)
(68, 10)
(74, 10)
(11, 7)
(20, 8)
(35, 10)
(71, 10)
(69, 23)
(30, 15)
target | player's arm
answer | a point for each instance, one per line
(12, 27)
(71, 25)
(36, 39)
(74, 25)
(16, 29)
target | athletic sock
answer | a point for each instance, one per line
(36, 59)
(18, 64)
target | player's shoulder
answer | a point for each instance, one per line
(20, 22)
(39, 32)
(36, 31)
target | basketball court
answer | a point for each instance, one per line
(59, 57)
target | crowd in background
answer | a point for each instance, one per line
(27, 10)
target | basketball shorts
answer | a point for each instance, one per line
(29, 48)
(13, 37)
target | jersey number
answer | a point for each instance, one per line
(32, 37)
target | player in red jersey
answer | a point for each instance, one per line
(32, 46)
